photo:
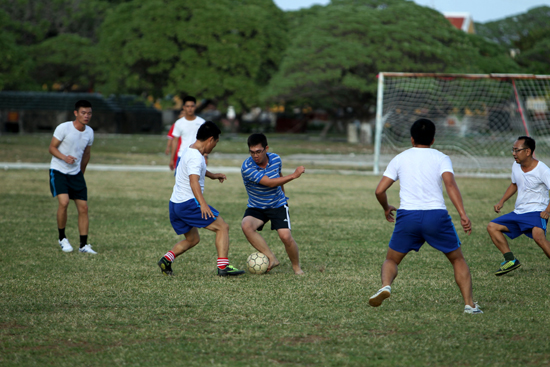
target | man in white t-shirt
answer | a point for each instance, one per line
(422, 216)
(531, 180)
(185, 129)
(188, 208)
(70, 147)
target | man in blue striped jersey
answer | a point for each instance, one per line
(264, 182)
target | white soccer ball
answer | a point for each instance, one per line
(257, 263)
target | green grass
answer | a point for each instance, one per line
(116, 308)
(149, 149)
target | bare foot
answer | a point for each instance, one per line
(299, 272)
(272, 264)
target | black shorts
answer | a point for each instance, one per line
(279, 217)
(74, 185)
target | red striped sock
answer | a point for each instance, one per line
(170, 256)
(223, 262)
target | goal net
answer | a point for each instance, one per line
(477, 117)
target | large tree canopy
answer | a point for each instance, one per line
(224, 50)
(337, 51)
(529, 33)
(14, 63)
(52, 41)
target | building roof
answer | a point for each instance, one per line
(461, 20)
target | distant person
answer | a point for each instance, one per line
(169, 151)
(264, 182)
(70, 147)
(188, 208)
(186, 129)
(422, 216)
(531, 180)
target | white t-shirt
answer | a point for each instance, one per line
(419, 171)
(191, 163)
(187, 130)
(533, 188)
(73, 142)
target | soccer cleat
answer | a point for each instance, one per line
(165, 266)
(472, 310)
(87, 250)
(229, 270)
(507, 266)
(380, 296)
(65, 245)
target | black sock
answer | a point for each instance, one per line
(509, 256)
(61, 233)
(83, 240)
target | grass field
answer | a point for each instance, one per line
(115, 308)
(149, 149)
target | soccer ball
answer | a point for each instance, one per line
(257, 263)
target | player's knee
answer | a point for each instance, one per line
(286, 237)
(83, 209)
(247, 227)
(538, 235)
(223, 226)
(194, 240)
(492, 227)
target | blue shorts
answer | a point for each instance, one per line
(519, 224)
(184, 216)
(414, 227)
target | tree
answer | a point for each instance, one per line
(224, 50)
(14, 63)
(510, 30)
(53, 41)
(529, 33)
(336, 54)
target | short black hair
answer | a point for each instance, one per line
(190, 99)
(256, 139)
(528, 142)
(423, 131)
(82, 103)
(207, 130)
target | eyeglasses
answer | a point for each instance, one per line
(256, 152)
(517, 150)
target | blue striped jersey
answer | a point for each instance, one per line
(260, 196)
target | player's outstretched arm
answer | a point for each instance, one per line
(456, 199)
(510, 191)
(196, 188)
(280, 181)
(216, 176)
(382, 198)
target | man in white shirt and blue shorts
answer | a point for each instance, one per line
(188, 208)
(531, 180)
(263, 180)
(70, 147)
(422, 216)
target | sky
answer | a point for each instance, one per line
(482, 11)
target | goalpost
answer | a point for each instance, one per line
(477, 116)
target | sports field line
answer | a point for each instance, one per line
(136, 168)
(222, 169)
